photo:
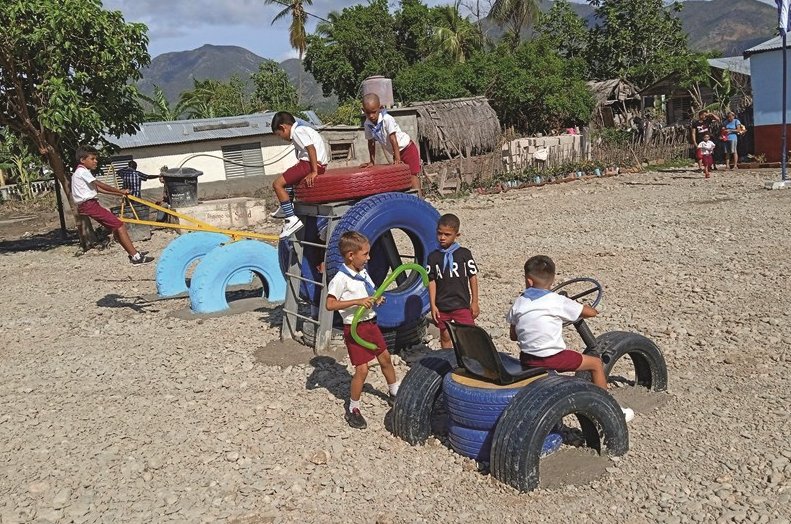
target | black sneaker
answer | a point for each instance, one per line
(391, 400)
(355, 419)
(140, 261)
(143, 253)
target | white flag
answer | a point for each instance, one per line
(783, 22)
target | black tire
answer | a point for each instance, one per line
(526, 422)
(406, 336)
(649, 364)
(420, 388)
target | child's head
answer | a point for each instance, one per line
(539, 272)
(87, 156)
(281, 124)
(447, 230)
(355, 249)
(706, 137)
(371, 107)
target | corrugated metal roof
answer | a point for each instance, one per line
(183, 131)
(735, 64)
(770, 45)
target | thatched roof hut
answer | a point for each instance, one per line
(457, 127)
(617, 101)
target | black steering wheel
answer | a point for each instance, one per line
(596, 288)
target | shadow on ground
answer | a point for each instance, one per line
(39, 242)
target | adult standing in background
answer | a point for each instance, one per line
(699, 127)
(735, 129)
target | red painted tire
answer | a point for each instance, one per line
(355, 182)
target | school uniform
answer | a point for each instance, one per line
(385, 126)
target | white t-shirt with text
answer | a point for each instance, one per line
(538, 317)
(303, 136)
(82, 185)
(344, 287)
(381, 131)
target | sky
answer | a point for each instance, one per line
(180, 25)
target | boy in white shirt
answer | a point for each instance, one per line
(85, 189)
(537, 318)
(706, 149)
(312, 159)
(382, 128)
(349, 288)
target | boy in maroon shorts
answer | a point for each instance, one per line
(383, 128)
(453, 280)
(537, 318)
(312, 159)
(85, 188)
(349, 288)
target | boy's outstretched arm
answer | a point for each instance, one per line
(372, 152)
(474, 308)
(396, 151)
(107, 189)
(588, 311)
(333, 304)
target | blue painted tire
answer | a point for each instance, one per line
(217, 270)
(180, 253)
(477, 444)
(476, 408)
(375, 215)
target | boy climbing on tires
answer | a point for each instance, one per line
(312, 159)
(537, 318)
(453, 280)
(383, 128)
(351, 287)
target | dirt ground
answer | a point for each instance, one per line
(113, 408)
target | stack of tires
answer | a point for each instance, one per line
(381, 208)
(221, 263)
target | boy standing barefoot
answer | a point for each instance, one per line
(349, 288)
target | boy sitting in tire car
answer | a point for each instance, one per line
(383, 128)
(536, 320)
(351, 287)
(312, 159)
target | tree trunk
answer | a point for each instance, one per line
(299, 81)
(84, 228)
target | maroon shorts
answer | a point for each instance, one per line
(708, 160)
(92, 208)
(299, 171)
(369, 331)
(462, 316)
(566, 360)
(410, 155)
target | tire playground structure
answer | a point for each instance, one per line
(507, 417)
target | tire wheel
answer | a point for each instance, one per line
(405, 336)
(524, 425)
(354, 182)
(416, 400)
(650, 369)
(476, 408)
(374, 217)
(477, 443)
(217, 269)
(182, 252)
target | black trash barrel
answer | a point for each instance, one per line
(182, 186)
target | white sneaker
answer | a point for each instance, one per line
(628, 414)
(291, 226)
(278, 213)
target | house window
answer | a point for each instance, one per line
(341, 150)
(243, 160)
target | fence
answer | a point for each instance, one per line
(37, 187)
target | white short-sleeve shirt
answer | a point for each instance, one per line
(538, 317)
(303, 136)
(381, 131)
(82, 185)
(344, 287)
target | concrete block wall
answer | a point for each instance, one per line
(521, 152)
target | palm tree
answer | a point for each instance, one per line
(160, 107)
(296, 32)
(455, 37)
(516, 13)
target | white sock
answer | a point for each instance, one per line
(136, 256)
(394, 388)
(354, 404)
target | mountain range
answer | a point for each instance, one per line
(727, 27)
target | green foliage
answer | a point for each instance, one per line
(565, 31)
(431, 80)
(67, 73)
(357, 43)
(212, 99)
(160, 110)
(296, 33)
(273, 90)
(453, 37)
(16, 156)
(413, 30)
(514, 15)
(348, 113)
(639, 40)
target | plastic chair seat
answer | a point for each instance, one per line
(477, 354)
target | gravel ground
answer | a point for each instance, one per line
(113, 410)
